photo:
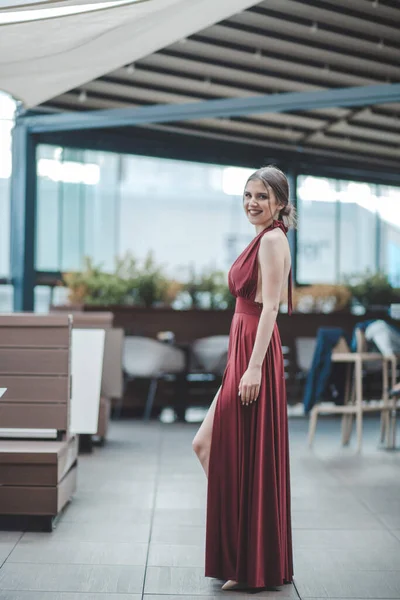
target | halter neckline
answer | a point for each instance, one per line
(275, 223)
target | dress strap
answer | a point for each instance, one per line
(283, 227)
(290, 293)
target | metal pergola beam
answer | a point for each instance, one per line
(231, 107)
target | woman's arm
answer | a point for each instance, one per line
(272, 263)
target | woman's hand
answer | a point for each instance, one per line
(249, 386)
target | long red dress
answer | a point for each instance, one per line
(248, 535)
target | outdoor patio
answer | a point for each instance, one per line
(135, 528)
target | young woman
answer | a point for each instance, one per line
(243, 442)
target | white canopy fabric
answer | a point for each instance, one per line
(13, 5)
(51, 11)
(43, 58)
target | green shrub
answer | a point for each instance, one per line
(372, 289)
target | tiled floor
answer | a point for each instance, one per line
(136, 526)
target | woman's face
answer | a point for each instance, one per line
(259, 203)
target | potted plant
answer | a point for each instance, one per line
(152, 288)
(131, 283)
(94, 286)
(321, 298)
(206, 289)
(371, 290)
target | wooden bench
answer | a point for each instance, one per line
(38, 456)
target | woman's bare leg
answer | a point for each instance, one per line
(202, 446)
(202, 440)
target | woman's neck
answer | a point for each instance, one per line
(260, 228)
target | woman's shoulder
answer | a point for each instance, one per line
(273, 238)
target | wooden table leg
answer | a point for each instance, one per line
(359, 399)
(347, 419)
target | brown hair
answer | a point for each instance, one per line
(274, 178)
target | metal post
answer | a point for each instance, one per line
(23, 217)
(338, 241)
(378, 235)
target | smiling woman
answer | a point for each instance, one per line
(242, 443)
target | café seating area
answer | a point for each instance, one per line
(64, 374)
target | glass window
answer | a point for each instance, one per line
(77, 208)
(345, 228)
(42, 298)
(389, 212)
(358, 227)
(316, 236)
(48, 238)
(7, 108)
(6, 298)
(102, 205)
(4, 227)
(101, 209)
(171, 207)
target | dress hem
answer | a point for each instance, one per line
(251, 586)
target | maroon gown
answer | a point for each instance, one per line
(248, 536)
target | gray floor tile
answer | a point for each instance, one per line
(188, 582)
(342, 500)
(390, 520)
(278, 595)
(331, 519)
(379, 504)
(71, 578)
(5, 551)
(66, 596)
(9, 537)
(84, 512)
(183, 518)
(111, 490)
(370, 559)
(178, 581)
(47, 550)
(8, 541)
(234, 595)
(185, 500)
(195, 476)
(338, 539)
(176, 535)
(167, 555)
(94, 532)
(348, 584)
(396, 533)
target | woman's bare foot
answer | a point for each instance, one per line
(230, 585)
